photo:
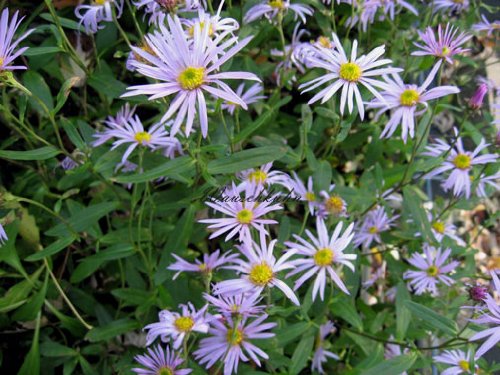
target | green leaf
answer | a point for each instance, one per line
(289, 333)
(131, 296)
(42, 153)
(31, 364)
(167, 169)
(29, 310)
(63, 94)
(323, 176)
(346, 310)
(54, 349)
(52, 249)
(110, 331)
(65, 22)
(36, 84)
(83, 219)
(301, 354)
(103, 81)
(403, 315)
(393, 366)
(35, 51)
(432, 319)
(246, 159)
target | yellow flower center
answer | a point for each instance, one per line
(191, 78)
(278, 4)
(202, 267)
(164, 371)
(234, 336)
(445, 52)
(334, 205)
(458, 2)
(261, 274)
(184, 323)
(350, 72)
(462, 161)
(258, 176)
(409, 98)
(324, 257)
(245, 216)
(1, 62)
(202, 26)
(373, 230)
(324, 42)
(376, 255)
(432, 271)
(100, 2)
(464, 365)
(142, 137)
(438, 226)
(310, 197)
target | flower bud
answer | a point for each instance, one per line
(478, 293)
(476, 101)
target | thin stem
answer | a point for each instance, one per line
(226, 130)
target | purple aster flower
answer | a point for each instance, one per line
(490, 316)
(231, 343)
(175, 326)
(441, 229)
(271, 8)
(96, 12)
(188, 68)
(122, 118)
(217, 24)
(160, 362)
(486, 25)
(321, 355)
(432, 270)
(484, 181)
(69, 163)
(332, 204)
(7, 42)
(370, 8)
(293, 54)
(478, 293)
(321, 255)
(407, 101)
(306, 194)
(262, 177)
(244, 213)
(158, 8)
(459, 163)
(394, 350)
(347, 74)
(458, 360)
(209, 264)
(450, 6)
(241, 305)
(259, 271)
(252, 95)
(446, 46)
(134, 134)
(376, 221)
(476, 102)
(3, 235)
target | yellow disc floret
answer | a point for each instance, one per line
(464, 365)
(245, 216)
(191, 78)
(350, 72)
(184, 323)
(373, 230)
(310, 197)
(324, 257)
(462, 161)
(409, 98)
(277, 4)
(202, 26)
(438, 226)
(432, 271)
(234, 336)
(100, 2)
(334, 204)
(261, 274)
(164, 371)
(258, 176)
(142, 137)
(324, 42)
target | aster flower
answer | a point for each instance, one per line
(96, 12)
(486, 25)
(394, 350)
(231, 343)
(451, 6)
(305, 193)
(445, 47)
(293, 54)
(458, 360)
(252, 95)
(259, 271)
(217, 25)
(263, 176)
(157, 8)
(244, 213)
(321, 355)
(134, 134)
(321, 256)
(271, 8)
(491, 316)
(77, 158)
(441, 229)
(476, 102)
(3, 235)
(240, 305)
(7, 42)
(175, 326)
(432, 270)
(484, 181)
(376, 221)
(347, 74)
(209, 264)
(160, 362)
(116, 123)
(332, 204)
(459, 163)
(188, 69)
(407, 101)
